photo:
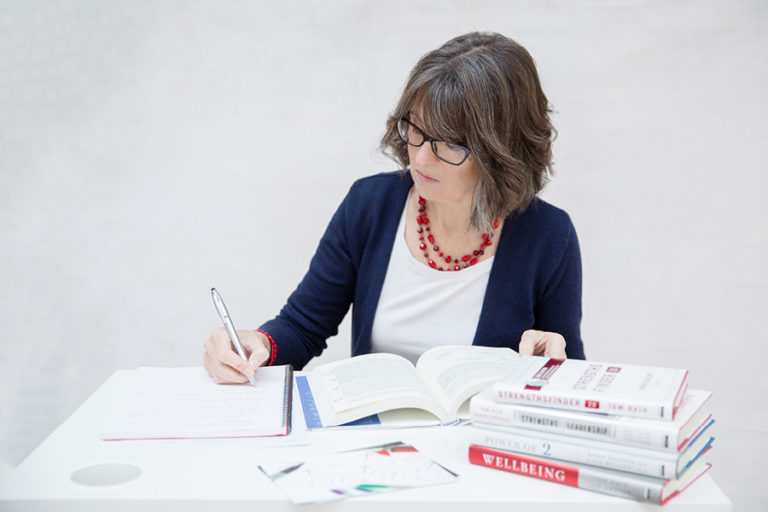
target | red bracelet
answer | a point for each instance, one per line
(273, 347)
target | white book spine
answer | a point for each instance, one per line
(574, 402)
(654, 464)
(662, 436)
(620, 484)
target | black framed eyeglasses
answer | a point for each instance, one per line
(454, 154)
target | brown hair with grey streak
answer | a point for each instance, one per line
(482, 90)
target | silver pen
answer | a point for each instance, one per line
(224, 315)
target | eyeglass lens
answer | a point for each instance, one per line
(451, 153)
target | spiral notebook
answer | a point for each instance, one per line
(185, 403)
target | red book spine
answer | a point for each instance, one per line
(520, 464)
(615, 483)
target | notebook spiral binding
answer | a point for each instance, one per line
(287, 403)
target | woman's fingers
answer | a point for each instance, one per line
(542, 343)
(222, 373)
(222, 362)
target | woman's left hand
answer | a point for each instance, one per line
(542, 343)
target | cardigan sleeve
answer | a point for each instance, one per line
(558, 309)
(313, 312)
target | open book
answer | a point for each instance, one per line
(442, 380)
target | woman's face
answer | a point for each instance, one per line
(436, 180)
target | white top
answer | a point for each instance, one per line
(421, 307)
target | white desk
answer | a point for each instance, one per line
(222, 475)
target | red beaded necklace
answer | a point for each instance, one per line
(458, 263)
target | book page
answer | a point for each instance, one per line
(368, 379)
(164, 403)
(457, 371)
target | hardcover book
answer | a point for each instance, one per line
(594, 453)
(629, 390)
(593, 478)
(669, 436)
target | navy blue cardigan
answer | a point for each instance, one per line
(535, 280)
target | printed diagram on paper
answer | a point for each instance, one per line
(357, 473)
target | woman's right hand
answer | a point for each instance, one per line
(225, 365)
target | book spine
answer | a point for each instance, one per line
(593, 453)
(615, 483)
(542, 397)
(598, 427)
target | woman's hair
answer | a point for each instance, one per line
(482, 90)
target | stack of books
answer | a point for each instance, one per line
(626, 430)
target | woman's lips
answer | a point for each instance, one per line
(426, 178)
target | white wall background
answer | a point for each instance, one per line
(152, 149)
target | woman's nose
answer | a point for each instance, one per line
(424, 154)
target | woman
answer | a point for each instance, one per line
(456, 249)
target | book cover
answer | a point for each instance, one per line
(630, 390)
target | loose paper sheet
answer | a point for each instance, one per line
(363, 472)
